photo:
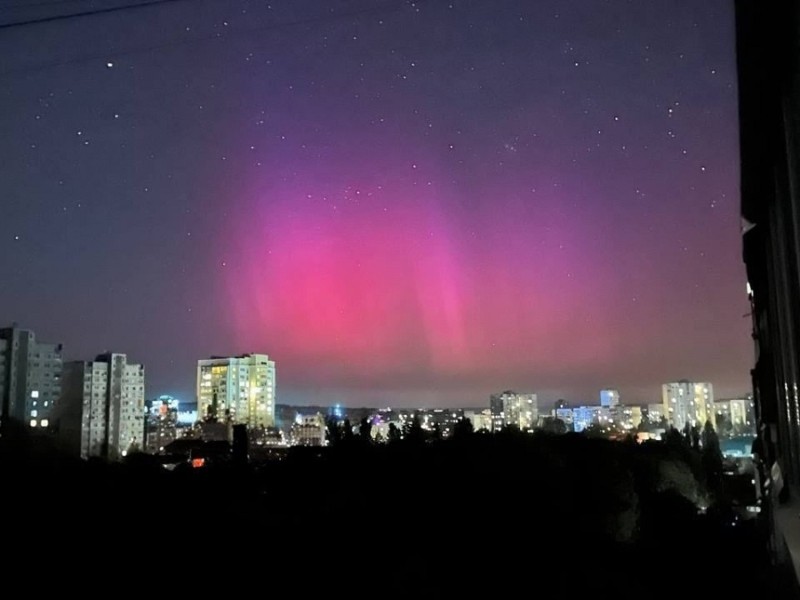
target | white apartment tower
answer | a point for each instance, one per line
(512, 408)
(102, 410)
(239, 389)
(688, 402)
(30, 377)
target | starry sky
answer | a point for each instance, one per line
(402, 203)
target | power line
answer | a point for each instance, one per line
(24, 5)
(386, 8)
(86, 13)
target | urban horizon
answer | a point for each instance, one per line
(639, 396)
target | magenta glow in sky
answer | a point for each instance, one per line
(401, 204)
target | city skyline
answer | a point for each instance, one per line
(418, 204)
(602, 397)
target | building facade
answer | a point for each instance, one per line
(655, 412)
(161, 423)
(30, 377)
(735, 417)
(768, 64)
(626, 417)
(239, 389)
(102, 408)
(565, 415)
(512, 408)
(688, 402)
(309, 430)
(585, 416)
(481, 419)
(609, 398)
(443, 419)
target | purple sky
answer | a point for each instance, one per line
(401, 203)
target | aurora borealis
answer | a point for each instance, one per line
(407, 203)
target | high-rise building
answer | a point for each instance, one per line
(511, 408)
(609, 398)
(688, 402)
(565, 414)
(30, 377)
(768, 62)
(102, 409)
(443, 419)
(739, 413)
(161, 423)
(585, 416)
(481, 419)
(239, 389)
(309, 430)
(655, 412)
(626, 417)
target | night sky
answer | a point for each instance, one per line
(401, 203)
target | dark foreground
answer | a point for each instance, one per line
(501, 516)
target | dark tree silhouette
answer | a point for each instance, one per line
(630, 505)
(463, 428)
(413, 431)
(724, 426)
(394, 433)
(365, 430)
(347, 431)
(712, 458)
(675, 439)
(695, 437)
(554, 425)
(333, 431)
(595, 430)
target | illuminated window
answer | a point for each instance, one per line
(45, 422)
(35, 394)
(33, 423)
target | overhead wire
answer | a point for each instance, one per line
(106, 56)
(24, 5)
(85, 13)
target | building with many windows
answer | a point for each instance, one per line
(583, 417)
(688, 402)
(626, 417)
(238, 389)
(102, 409)
(161, 423)
(735, 417)
(609, 398)
(481, 419)
(655, 412)
(309, 430)
(30, 377)
(512, 408)
(564, 414)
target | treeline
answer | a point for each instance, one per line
(504, 514)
